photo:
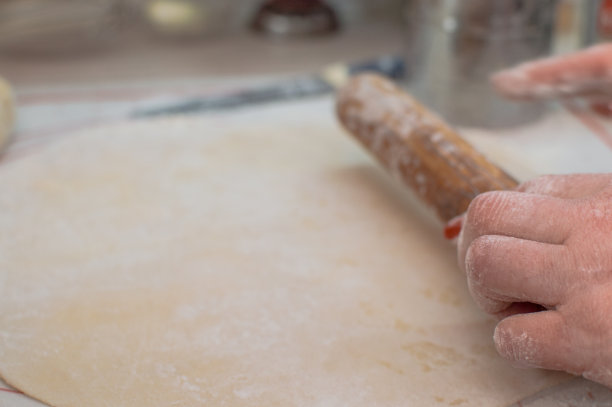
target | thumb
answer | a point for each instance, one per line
(540, 340)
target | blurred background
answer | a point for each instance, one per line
(120, 50)
(58, 41)
(51, 41)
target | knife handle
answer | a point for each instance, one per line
(416, 146)
(7, 112)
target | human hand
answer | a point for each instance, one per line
(586, 74)
(546, 247)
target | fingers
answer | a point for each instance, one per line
(572, 186)
(567, 186)
(503, 270)
(519, 308)
(508, 213)
(542, 340)
(577, 74)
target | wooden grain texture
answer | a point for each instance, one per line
(417, 146)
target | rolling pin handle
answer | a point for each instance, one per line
(417, 146)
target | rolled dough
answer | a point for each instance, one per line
(192, 262)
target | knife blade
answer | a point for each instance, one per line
(323, 82)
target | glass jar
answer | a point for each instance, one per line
(453, 46)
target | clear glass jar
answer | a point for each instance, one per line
(453, 46)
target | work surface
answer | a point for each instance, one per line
(351, 297)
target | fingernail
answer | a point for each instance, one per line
(518, 348)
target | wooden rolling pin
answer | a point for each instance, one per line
(416, 146)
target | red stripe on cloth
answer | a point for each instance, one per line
(10, 390)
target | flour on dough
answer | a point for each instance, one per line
(191, 262)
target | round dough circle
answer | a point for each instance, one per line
(190, 262)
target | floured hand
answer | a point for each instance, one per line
(546, 247)
(586, 74)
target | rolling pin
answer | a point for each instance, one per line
(417, 146)
(7, 113)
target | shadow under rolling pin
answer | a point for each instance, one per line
(416, 146)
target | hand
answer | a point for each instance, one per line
(586, 74)
(546, 247)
